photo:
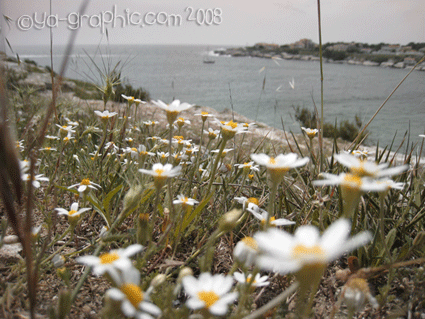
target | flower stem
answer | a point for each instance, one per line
(274, 302)
(214, 169)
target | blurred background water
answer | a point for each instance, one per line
(257, 88)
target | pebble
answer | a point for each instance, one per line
(86, 309)
(10, 239)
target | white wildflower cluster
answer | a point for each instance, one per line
(135, 302)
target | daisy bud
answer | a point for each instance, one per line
(132, 198)
(186, 271)
(158, 280)
(229, 220)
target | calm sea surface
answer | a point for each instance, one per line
(169, 72)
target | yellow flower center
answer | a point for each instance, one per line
(209, 297)
(253, 200)
(180, 119)
(360, 171)
(353, 182)
(134, 149)
(232, 124)
(272, 219)
(144, 217)
(251, 176)
(272, 161)
(159, 171)
(48, 148)
(204, 113)
(85, 181)
(72, 212)
(250, 242)
(301, 251)
(108, 258)
(133, 293)
(251, 280)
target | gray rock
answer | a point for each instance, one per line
(9, 254)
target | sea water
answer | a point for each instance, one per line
(257, 88)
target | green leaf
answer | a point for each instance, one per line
(389, 241)
(107, 200)
(98, 207)
(189, 218)
(65, 188)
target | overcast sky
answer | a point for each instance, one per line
(237, 22)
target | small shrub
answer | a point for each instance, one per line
(347, 130)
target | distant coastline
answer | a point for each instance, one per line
(382, 55)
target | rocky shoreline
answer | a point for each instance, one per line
(244, 52)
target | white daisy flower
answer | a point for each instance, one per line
(209, 292)
(284, 253)
(355, 293)
(35, 180)
(111, 262)
(257, 281)
(352, 182)
(143, 152)
(246, 251)
(51, 137)
(264, 215)
(230, 129)
(20, 145)
(72, 123)
(224, 153)
(181, 121)
(138, 101)
(204, 115)
(311, 133)
(212, 134)
(65, 129)
(367, 168)
(130, 99)
(150, 123)
(48, 149)
(181, 199)
(134, 152)
(112, 147)
(248, 166)
(172, 109)
(85, 184)
(74, 211)
(161, 172)
(251, 201)
(24, 165)
(248, 125)
(105, 115)
(279, 165)
(73, 214)
(135, 303)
